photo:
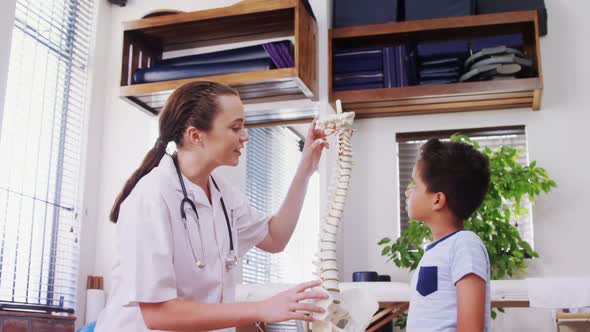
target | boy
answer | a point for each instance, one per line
(451, 286)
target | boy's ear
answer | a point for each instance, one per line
(439, 201)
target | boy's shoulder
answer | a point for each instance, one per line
(466, 238)
(466, 235)
(468, 243)
(458, 238)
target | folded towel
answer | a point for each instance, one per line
(442, 70)
(166, 73)
(509, 290)
(280, 52)
(512, 40)
(441, 62)
(368, 63)
(443, 48)
(438, 81)
(559, 292)
(359, 87)
(344, 52)
(231, 55)
(358, 78)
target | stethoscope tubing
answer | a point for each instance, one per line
(187, 200)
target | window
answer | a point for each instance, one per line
(408, 149)
(272, 157)
(41, 145)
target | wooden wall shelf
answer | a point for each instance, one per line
(468, 96)
(145, 41)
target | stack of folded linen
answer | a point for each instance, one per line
(559, 292)
(370, 68)
(499, 57)
(439, 62)
(515, 40)
(245, 59)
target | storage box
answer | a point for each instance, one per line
(364, 12)
(427, 9)
(498, 6)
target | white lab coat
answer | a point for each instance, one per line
(154, 261)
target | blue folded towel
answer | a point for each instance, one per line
(237, 60)
(166, 73)
(438, 81)
(358, 63)
(237, 54)
(513, 41)
(343, 52)
(359, 87)
(444, 70)
(365, 77)
(450, 75)
(279, 51)
(445, 48)
(441, 62)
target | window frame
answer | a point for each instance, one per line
(79, 57)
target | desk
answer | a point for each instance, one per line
(567, 322)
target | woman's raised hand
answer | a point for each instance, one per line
(315, 142)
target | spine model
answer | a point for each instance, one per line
(336, 317)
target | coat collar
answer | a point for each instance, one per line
(194, 191)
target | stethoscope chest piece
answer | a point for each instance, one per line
(231, 260)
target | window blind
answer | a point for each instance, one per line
(41, 144)
(408, 145)
(272, 157)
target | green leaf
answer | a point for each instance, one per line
(384, 241)
(385, 251)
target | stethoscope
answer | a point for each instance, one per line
(232, 259)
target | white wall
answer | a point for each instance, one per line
(6, 24)
(128, 133)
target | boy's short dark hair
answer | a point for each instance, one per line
(458, 170)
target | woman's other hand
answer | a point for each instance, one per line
(287, 305)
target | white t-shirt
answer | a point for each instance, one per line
(433, 301)
(155, 262)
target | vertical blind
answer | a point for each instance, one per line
(408, 150)
(272, 157)
(40, 145)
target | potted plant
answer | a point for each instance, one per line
(511, 184)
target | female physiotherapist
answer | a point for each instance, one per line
(181, 227)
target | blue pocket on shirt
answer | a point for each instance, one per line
(427, 280)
